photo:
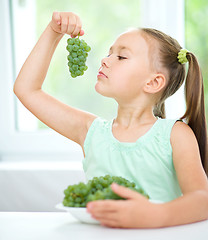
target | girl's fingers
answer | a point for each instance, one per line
(78, 27)
(72, 21)
(81, 33)
(56, 22)
(107, 218)
(67, 23)
(105, 214)
(76, 31)
(64, 24)
(56, 18)
(109, 223)
(126, 192)
(103, 205)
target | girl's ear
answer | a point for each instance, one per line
(155, 84)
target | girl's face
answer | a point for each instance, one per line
(126, 69)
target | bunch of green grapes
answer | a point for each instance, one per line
(78, 52)
(78, 195)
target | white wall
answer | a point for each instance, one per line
(36, 186)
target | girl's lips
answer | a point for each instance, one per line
(101, 74)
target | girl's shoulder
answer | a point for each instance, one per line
(181, 131)
(183, 141)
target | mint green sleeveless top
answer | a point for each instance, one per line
(147, 162)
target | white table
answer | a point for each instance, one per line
(58, 226)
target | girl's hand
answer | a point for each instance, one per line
(135, 212)
(66, 23)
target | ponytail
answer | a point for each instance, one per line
(195, 110)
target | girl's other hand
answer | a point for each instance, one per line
(135, 212)
(66, 23)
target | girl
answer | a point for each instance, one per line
(167, 158)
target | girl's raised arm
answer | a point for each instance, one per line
(70, 122)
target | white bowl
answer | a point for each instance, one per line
(79, 213)
(82, 215)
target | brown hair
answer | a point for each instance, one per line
(194, 90)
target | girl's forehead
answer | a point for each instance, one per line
(132, 39)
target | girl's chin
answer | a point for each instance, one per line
(99, 90)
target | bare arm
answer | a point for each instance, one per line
(70, 122)
(193, 205)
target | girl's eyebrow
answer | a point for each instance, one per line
(120, 48)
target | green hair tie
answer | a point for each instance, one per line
(182, 56)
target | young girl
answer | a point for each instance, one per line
(167, 158)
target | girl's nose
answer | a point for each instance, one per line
(105, 62)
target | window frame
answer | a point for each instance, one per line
(47, 144)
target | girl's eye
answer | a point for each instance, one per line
(121, 58)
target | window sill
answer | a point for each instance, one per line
(41, 165)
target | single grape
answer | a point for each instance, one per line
(79, 52)
(87, 48)
(81, 63)
(75, 67)
(75, 47)
(70, 58)
(70, 41)
(73, 75)
(85, 54)
(79, 73)
(77, 41)
(76, 60)
(69, 48)
(82, 58)
(73, 54)
(81, 68)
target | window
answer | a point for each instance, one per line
(22, 135)
(97, 20)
